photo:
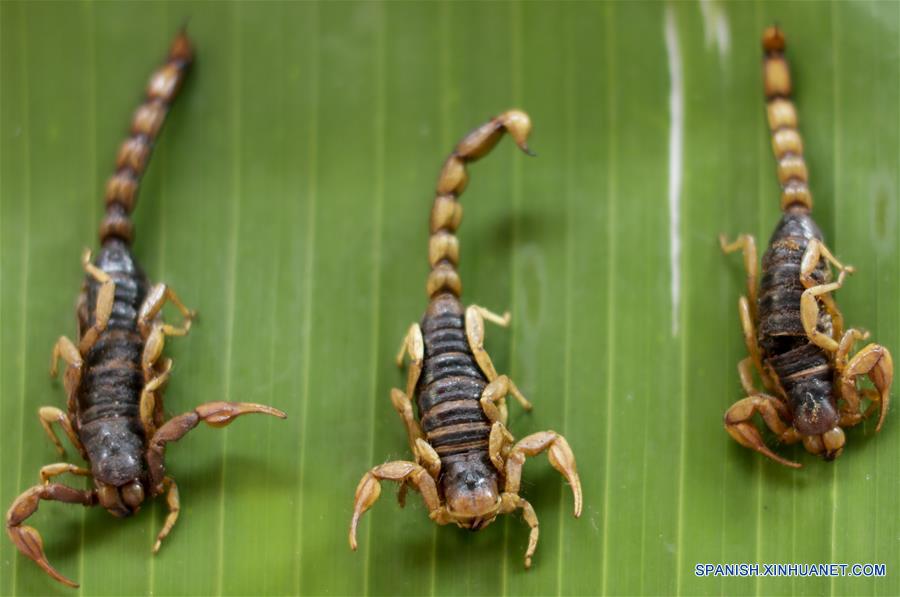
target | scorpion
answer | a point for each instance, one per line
(800, 351)
(115, 377)
(463, 451)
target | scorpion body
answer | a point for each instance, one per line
(466, 466)
(115, 376)
(802, 367)
(800, 350)
(449, 393)
(109, 424)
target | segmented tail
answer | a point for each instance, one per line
(122, 187)
(786, 141)
(446, 213)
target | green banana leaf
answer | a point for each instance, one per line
(288, 202)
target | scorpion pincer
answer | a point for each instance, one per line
(464, 453)
(115, 377)
(792, 326)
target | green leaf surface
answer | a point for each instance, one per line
(288, 202)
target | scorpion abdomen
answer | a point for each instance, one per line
(108, 419)
(803, 368)
(451, 383)
(780, 326)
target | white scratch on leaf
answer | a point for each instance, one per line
(676, 161)
(716, 30)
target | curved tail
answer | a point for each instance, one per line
(786, 141)
(446, 213)
(122, 187)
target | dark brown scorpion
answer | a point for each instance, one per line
(801, 352)
(115, 377)
(463, 452)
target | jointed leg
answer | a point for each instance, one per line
(809, 313)
(815, 252)
(65, 349)
(560, 456)
(511, 502)
(874, 361)
(475, 335)
(747, 244)
(174, 508)
(49, 415)
(155, 343)
(498, 445)
(501, 320)
(148, 404)
(414, 346)
(428, 457)
(103, 309)
(748, 325)
(26, 539)
(369, 489)
(848, 341)
(493, 398)
(214, 414)
(153, 304)
(745, 371)
(60, 468)
(739, 426)
(403, 406)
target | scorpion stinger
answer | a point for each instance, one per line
(466, 466)
(115, 374)
(792, 326)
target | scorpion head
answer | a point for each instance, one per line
(818, 422)
(122, 500)
(471, 492)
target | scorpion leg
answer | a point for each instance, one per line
(148, 403)
(493, 398)
(61, 468)
(809, 313)
(559, 454)
(414, 345)
(874, 361)
(747, 309)
(745, 371)
(498, 445)
(103, 309)
(849, 407)
(155, 343)
(510, 502)
(214, 414)
(153, 304)
(747, 245)
(475, 317)
(773, 411)
(403, 406)
(815, 252)
(748, 325)
(174, 508)
(65, 349)
(26, 539)
(427, 457)
(402, 471)
(49, 415)
(848, 341)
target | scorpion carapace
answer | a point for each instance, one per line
(467, 466)
(115, 377)
(792, 327)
